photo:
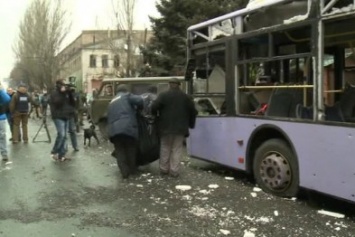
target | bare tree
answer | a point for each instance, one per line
(124, 15)
(42, 31)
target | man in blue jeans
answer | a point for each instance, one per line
(4, 101)
(62, 104)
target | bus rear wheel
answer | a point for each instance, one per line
(276, 169)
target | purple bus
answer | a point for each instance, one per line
(274, 85)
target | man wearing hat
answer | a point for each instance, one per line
(176, 113)
(19, 107)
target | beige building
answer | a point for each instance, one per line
(97, 54)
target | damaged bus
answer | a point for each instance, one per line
(274, 84)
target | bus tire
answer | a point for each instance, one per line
(275, 168)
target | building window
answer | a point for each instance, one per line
(104, 61)
(92, 60)
(116, 61)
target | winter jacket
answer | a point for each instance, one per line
(20, 105)
(4, 101)
(175, 111)
(121, 115)
(62, 104)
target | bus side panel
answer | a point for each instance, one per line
(216, 139)
(326, 156)
(326, 153)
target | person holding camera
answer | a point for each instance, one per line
(62, 106)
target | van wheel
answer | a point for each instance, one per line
(276, 169)
(103, 128)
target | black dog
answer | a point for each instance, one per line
(88, 133)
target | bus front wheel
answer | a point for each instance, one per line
(276, 169)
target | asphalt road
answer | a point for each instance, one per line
(87, 197)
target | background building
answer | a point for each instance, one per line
(97, 54)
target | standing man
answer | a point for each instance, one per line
(4, 101)
(123, 130)
(44, 100)
(35, 105)
(62, 104)
(176, 113)
(19, 107)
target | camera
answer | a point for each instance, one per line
(71, 83)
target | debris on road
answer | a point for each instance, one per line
(248, 234)
(213, 186)
(183, 187)
(225, 232)
(256, 189)
(253, 194)
(333, 214)
(228, 178)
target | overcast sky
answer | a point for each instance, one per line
(85, 15)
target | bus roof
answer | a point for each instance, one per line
(142, 79)
(249, 9)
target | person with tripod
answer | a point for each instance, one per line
(62, 105)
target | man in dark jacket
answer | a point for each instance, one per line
(176, 113)
(62, 105)
(19, 107)
(123, 128)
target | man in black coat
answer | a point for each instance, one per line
(176, 113)
(123, 128)
(62, 105)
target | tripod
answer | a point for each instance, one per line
(43, 125)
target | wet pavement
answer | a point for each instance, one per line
(87, 197)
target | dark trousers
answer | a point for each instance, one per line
(125, 153)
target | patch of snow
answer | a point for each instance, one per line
(139, 186)
(341, 10)
(203, 191)
(295, 18)
(276, 213)
(253, 194)
(183, 187)
(341, 224)
(228, 178)
(263, 219)
(229, 213)
(291, 199)
(256, 189)
(213, 186)
(225, 232)
(333, 214)
(248, 234)
(8, 163)
(186, 197)
(337, 229)
(203, 212)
